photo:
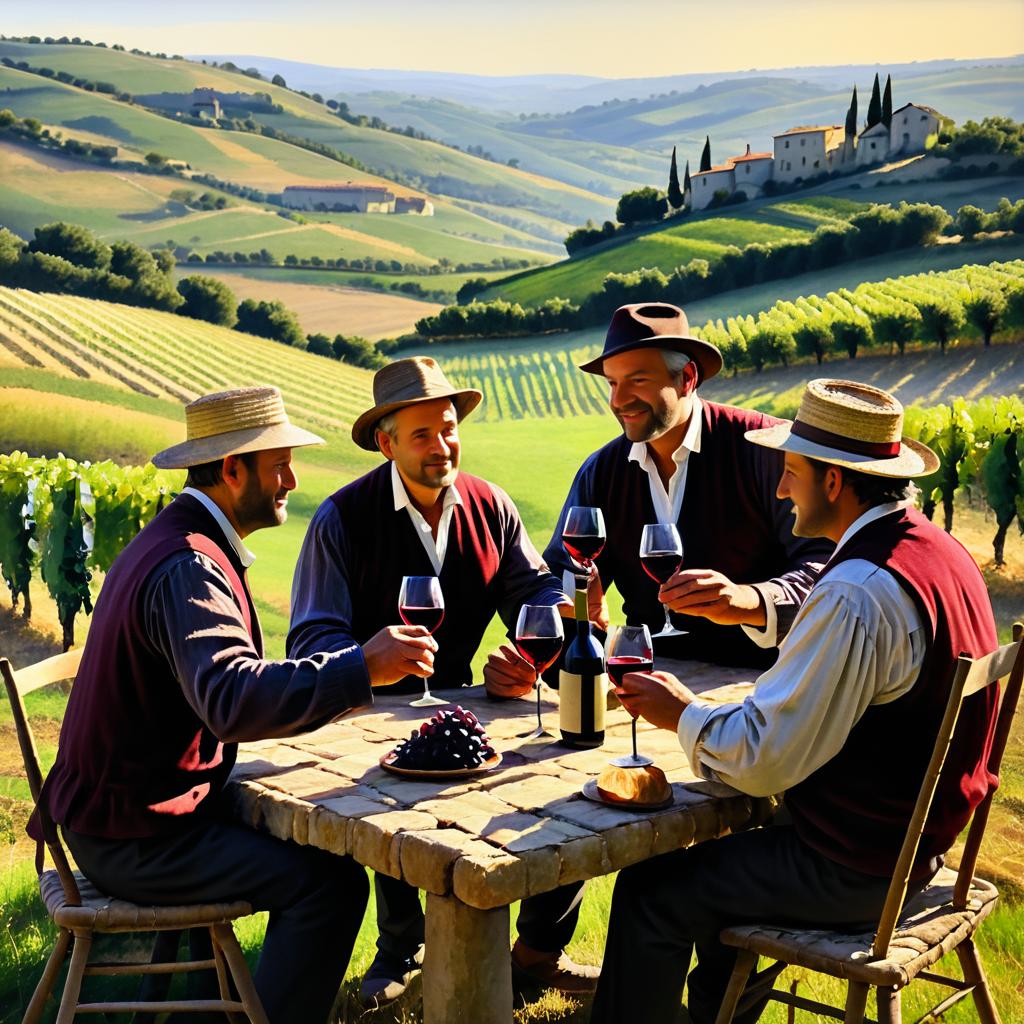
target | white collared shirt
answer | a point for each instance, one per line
(857, 640)
(668, 504)
(245, 556)
(434, 547)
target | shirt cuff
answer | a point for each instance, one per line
(766, 636)
(691, 724)
(348, 681)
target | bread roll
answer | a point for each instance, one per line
(646, 785)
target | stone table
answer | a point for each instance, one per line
(478, 844)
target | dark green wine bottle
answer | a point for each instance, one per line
(582, 685)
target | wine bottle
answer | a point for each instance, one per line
(582, 685)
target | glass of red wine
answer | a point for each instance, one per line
(629, 649)
(539, 640)
(583, 535)
(661, 554)
(420, 603)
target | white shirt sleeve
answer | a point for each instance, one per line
(857, 640)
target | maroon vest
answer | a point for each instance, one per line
(855, 809)
(134, 759)
(382, 546)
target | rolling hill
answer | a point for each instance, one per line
(706, 234)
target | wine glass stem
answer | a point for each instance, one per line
(635, 755)
(536, 686)
(668, 621)
(426, 687)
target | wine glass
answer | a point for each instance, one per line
(629, 649)
(421, 603)
(539, 640)
(583, 535)
(661, 554)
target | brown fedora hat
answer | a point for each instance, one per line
(852, 425)
(233, 423)
(655, 325)
(409, 382)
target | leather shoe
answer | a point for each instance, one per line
(533, 968)
(388, 978)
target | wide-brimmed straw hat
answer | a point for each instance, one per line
(655, 325)
(233, 423)
(852, 425)
(409, 382)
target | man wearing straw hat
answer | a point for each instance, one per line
(418, 515)
(866, 666)
(173, 678)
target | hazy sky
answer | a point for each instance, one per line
(613, 38)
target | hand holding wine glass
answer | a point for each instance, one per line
(629, 649)
(583, 535)
(539, 638)
(420, 603)
(661, 554)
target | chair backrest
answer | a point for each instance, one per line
(969, 677)
(32, 677)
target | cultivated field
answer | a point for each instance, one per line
(328, 308)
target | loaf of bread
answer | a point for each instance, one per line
(646, 785)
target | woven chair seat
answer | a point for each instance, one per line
(103, 913)
(928, 929)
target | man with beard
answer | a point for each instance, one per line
(680, 460)
(173, 677)
(418, 515)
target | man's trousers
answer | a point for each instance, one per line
(666, 908)
(316, 901)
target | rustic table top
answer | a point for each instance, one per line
(489, 839)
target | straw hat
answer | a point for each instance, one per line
(409, 382)
(852, 425)
(655, 325)
(232, 423)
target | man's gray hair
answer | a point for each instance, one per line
(389, 424)
(675, 362)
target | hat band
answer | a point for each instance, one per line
(875, 449)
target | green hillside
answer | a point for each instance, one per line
(704, 235)
(425, 165)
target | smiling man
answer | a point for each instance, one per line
(417, 515)
(173, 678)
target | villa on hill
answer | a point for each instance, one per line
(353, 197)
(814, 151)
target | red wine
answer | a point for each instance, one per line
(429, 618)
(584, 548)
(660, 565)
(539, 651)
(618, 667)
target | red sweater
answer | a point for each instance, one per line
(855, 809)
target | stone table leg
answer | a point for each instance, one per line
(467, 972)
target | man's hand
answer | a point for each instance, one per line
(709, 594)
(657, 696)
(399, 651)
(507, 674)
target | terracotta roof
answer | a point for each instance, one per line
(809, 128)
(751, 156)
(917, 106)
(350, 187)
(713, 170)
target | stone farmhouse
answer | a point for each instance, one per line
(353, 197)
(810, 151)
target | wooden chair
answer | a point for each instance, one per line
(81, 911)
(940, 919)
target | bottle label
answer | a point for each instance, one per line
(582, 702)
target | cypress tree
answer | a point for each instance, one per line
(875, 106)
(705, 157)
(851, 116)
(686, 178)
(887, 102)
(675, 195)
